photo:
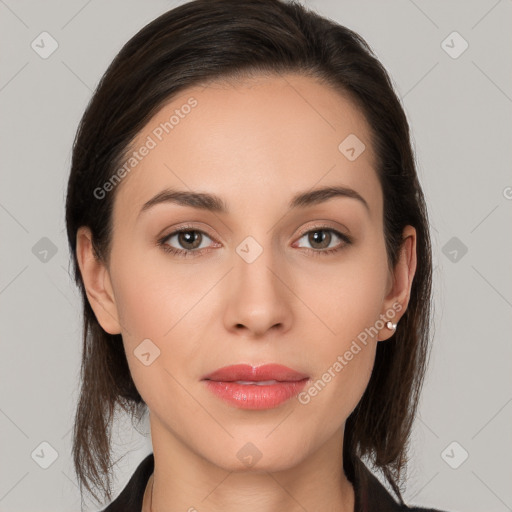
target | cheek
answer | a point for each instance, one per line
(346, 296)
(343, 363)
(154, 296)
(162, 303)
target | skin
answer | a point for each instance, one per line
(255, 143)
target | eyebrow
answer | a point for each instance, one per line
(213, 203)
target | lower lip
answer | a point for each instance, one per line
(252, 396)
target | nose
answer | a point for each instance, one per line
(259, 297)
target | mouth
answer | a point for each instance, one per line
(262, 387)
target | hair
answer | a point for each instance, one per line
(197, 43)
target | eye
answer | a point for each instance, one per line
(188, 238)
(320, 239)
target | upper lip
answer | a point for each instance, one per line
(255, 373)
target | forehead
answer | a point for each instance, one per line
(250, 139)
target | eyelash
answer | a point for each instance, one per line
(184, 253)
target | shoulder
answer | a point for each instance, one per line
(130, 498)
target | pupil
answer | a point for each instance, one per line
(189, 236)
(319, 237)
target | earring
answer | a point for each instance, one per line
(391, 326)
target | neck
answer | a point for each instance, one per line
(315, 483)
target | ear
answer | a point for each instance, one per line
(400, 282)
(97, 282)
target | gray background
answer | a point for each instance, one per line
(460, 111)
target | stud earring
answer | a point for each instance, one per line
(391, 326)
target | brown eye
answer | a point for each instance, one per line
(320, 240)
(188, 242)
(189, 239)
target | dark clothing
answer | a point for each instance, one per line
(370, 494)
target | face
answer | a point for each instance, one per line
(263, 280)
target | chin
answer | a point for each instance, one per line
(257, 454)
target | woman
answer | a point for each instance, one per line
(251, 243)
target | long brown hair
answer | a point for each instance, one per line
(192, 44)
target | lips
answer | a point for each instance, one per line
(261, 387)
(266, 372)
